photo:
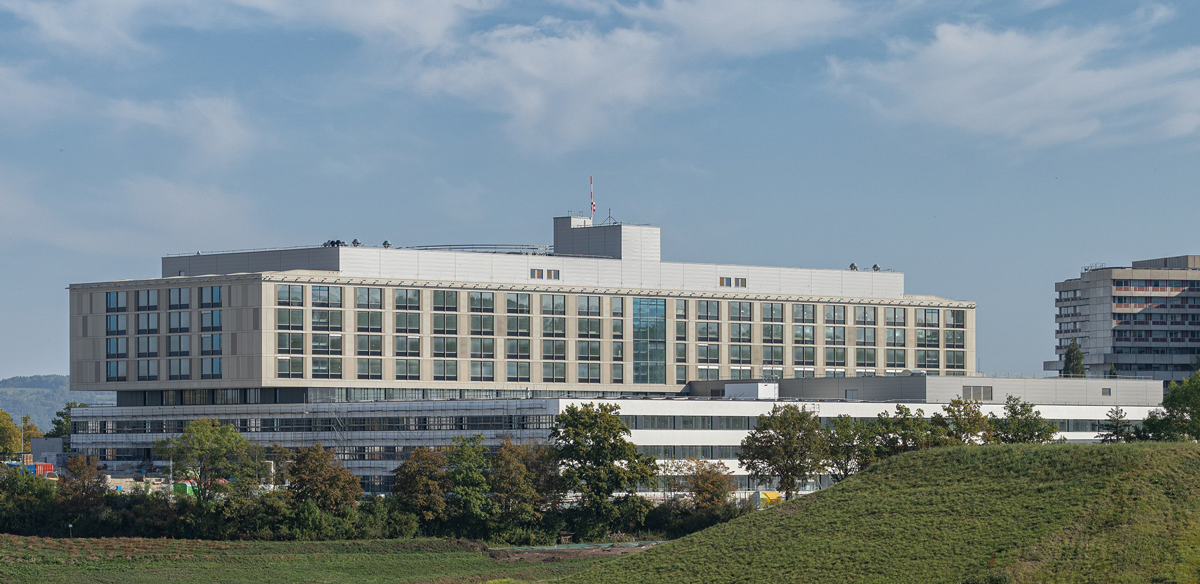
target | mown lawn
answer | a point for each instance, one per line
(159, 561)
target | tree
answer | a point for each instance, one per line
(315, 474)
(708, 482)
(471, 507)
(907, 430)
(1181, 403)
(61, 424)
(29, 431)
(512, 484)
(786, 445)
(82, 486)
(215, 456)
(966, 422)
(1112, 370)
(420, 485)
(10, 435)
(1021, 424)
(849, 447)
(1115, 428)
(1073, 361)
(597, 460)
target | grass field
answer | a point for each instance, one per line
(159, 561)
(1052, 513)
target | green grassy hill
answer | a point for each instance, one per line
(40, 396)
(1049, 513)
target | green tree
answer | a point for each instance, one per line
(1021, 424)
(471, 507)
(849, 447)
(966, 422)
(1112, 370)
(597, 460)
(10, 435)
(1115, 428)
(29, 431)
(420, 485)
(82, 486)
(1181, 403)
(218, 458)
(512, 484)
(787, 445)
(708, 482)
(907, 430)
(1073, 361)
(315, 474)
(61, 424)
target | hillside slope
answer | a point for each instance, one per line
(1049, 513)
(40, 396)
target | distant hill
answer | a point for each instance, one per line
(40, 396)
(981, 514)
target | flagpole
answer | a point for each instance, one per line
(592, 198)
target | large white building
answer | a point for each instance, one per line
(375, 350)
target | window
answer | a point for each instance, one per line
(739, 333)
(210, 297)
(445, 347)
(618, 373)
(445, 370)
(928, 359)
(408, 299)
(483, 348)
(285, 367)
(536, 273)
(956, 319)
(618, 329)
(326, 344)
(800, 372)
(289, 295)
(116, 324)
(772, 312)
(551, 303)
(213, 345)
(804, 313)
(370, 368)
(327, 296)
(740, 311)
(977, 392)
(681, 374)
(1106, 391)
(895, 358)
(210, 368)
(327, 368)
(482, 325)
(147, 324)
(835, 335)
(147, 299)
(481, 301)
(618, 351)
(708, 372)
(368, 321)
(179, 346)
(179, 298)
(326, 320)
(649, 340)
(928, 338)
(408, 369)
(956, 359)
(741, 373)
(589, 328)
(680, 309)
(772, 356)
(680, 353)
(739, 282)
(804, 334)
(725, 282)
(864, 315)
(587, 350)
(955, 339)
(483, 371)
(116, 348)
(518, 371)
(554, 326)
(369, 345)
(408, 323)
(835, 314)
(517, 303)
(554, 372)
(894, 316)
(772, 333)
(179, 322)
(516, 348)
(851, 394)
(588, 305)
(708, 310)
(864, 337)
(445, 324)
(804, 356)
(739, 354)
(552, 274)
(369, 298)
(180, 369)
(147, 370)
(927, 317)
(864, 357)
(445, 300)
(708, 353)
(518, 326)
(210, 320)
(554, 350)
(116, 370)
(618, 306)
(681, 330)
(115, 301)
(708, 331)
(835, 357)
(588, 373)
(288, 319)
(895, 337)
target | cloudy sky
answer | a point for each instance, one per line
(986, 149)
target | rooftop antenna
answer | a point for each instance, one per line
(592, 197)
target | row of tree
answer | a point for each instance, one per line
(18, 437)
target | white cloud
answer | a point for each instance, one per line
(215, 126)
(24, 101)
(1037, 88)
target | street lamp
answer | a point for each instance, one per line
(71, 530)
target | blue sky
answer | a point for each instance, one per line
(986, 149)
